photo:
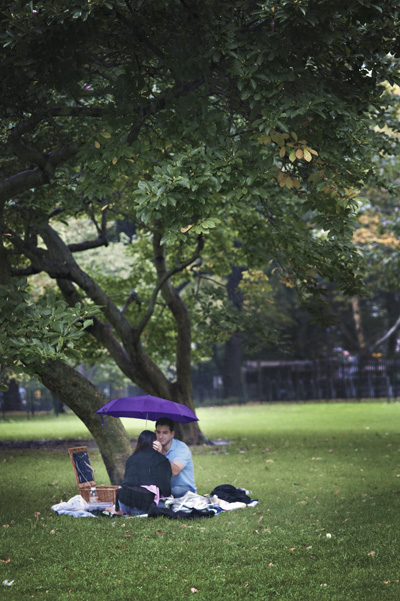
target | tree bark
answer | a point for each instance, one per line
(361, 343)
(181, 391)
(232, 363)
(84, 399)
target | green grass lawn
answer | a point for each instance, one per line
(316, 469)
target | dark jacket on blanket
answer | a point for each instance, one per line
(144, 467)
(231, 494)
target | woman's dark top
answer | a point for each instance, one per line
(144, 467)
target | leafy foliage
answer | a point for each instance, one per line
(30, 333)
(242, 137)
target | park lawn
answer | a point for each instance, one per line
(316, 469)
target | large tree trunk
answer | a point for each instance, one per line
(84, 399)
(360, 336)
(232, 364)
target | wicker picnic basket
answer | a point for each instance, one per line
(84, 476)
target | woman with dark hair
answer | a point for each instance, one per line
(147, 477)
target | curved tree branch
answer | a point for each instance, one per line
(132, 360)
(101, 239)
(21, 182)
(180, 313)
(33, 178)
(164, 275)
(133, 297)
(102, 332)
(391, 331)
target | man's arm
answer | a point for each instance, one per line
(176, 467)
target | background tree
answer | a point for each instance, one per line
(250, 122)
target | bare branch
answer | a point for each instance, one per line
(25, 180)
(387, 335)
(58, 262)
(25, 271)
(88, 244)
(164, 276)
(21, 182)
(129, 358)
(101, 240)
(133, 297)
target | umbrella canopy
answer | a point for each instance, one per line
(148, 407)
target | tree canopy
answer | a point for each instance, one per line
(227, 133)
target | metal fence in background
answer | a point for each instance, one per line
(321, 379)
(265, 381)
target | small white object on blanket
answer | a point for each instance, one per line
(76, 506)
(225, 505)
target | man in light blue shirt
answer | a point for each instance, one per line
(179, 455)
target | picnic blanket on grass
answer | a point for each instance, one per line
(192, 505)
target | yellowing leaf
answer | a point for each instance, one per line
(264, 139)
(299, 153)
(279, 138)
(97, 145)
(292, 182)
(307, 155)
(114, 161)
(294, 135)
(282, 177)
(282, 152)
(105, 134)
(292, 156)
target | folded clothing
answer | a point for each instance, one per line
(231, 494)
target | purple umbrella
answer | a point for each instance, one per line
(147, 407)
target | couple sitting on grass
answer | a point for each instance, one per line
(160, 466)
